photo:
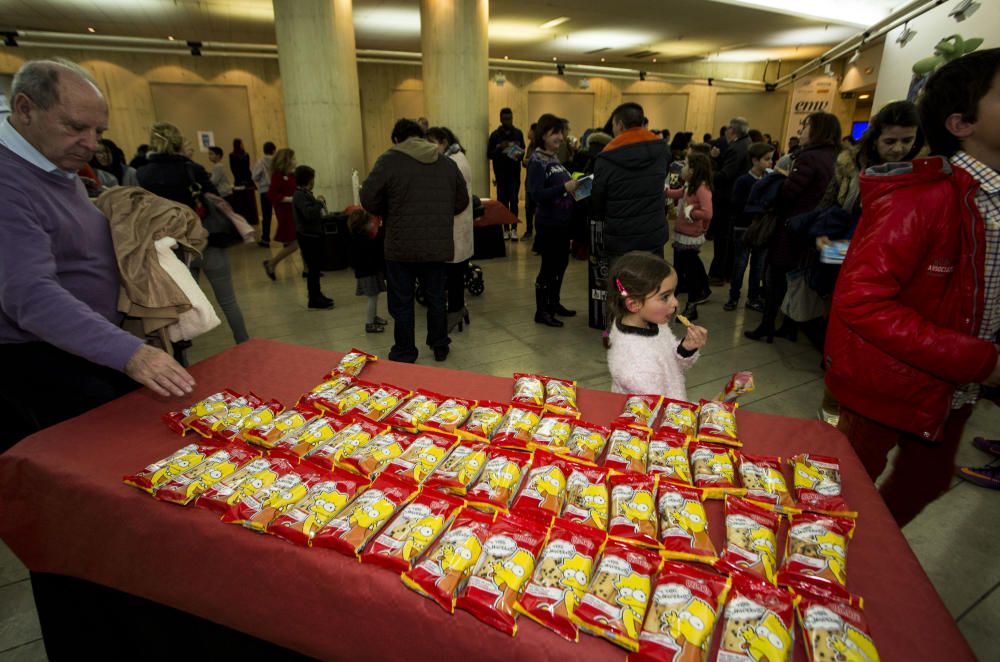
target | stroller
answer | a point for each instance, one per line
(474, 282)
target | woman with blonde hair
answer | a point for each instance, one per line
(280, 192)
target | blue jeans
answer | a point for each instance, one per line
(745, 255)
(402, 278)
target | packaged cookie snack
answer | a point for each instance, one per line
(324, 395)
(360, 521)
(712, 470)
(164, 470)
(412, 530)
(382, 402)
(184, 487)
(587, 496)
(443, 570)
(683, 524)
(322, 502)
(817, 485)
(587, 441)
(628, 448)
(450, 415)
(418, 408)
(544, 489)
(640, 411)
(372, 457)
(500, 479)
(178, 421)
(717, 423)
(528, 390)
(757, 622)
(682, 614)
(267, 434)
(262, 415)
(614, 606)
(483, 421)
(560, 396)
(422, 456)
(751, 539)
(298, 443)
(739, 384)
(816, 549)
(834, 625)
(254, 476)
(516, 427)
(680, 417)
(506, 564)
(354, 362)
(552, 432)
(357, 433)
(633, 509)
(231, 413)
(668, 457)
(257, 510)
(354, 395)
(460, 469)
(562, 574)
(764, 483)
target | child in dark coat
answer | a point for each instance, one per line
(368, 262)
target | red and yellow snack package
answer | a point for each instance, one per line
(483, 421)
(164, 470)
(358, 433)
(350, 530)
(262, 415)
(231, 413)
(587, 441)
(628, 449)
(184, 487)
(683, 524)
(255, 511)
(298, 443)
(324, 501)
(834, 625)
(668, 457)
(450, 415)
(422, 456)
(354, 395)
(354, 362)
(528, 390)
(516, 427)
(587, 496)
(817, 485)
(757, 622)
(739, 384)
(500, 479)
(412, 531)
(256, 475)
(614, 606)
(712, 469)
(751, 539)
(640, 411)
(552, 433)
(560, 396)
(291, 419)
(506, 564)
(372, 457)
(717, 423)
(382, 402)
(680, 417)
(443, 570)
(178, 421)
(562, 574)
(633, 509)
(460, 469)
(682, 614)
(764, 483)
(418, 408)
(324, 395)
(544, 489)
(816, 549)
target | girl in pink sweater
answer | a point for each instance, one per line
(645, 356)
(693, 217)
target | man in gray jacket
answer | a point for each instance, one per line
(417, 192)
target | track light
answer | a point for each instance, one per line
(854, 58)
(195, 47)
(9, 39)
(561, 69)
(905, 36)
(964, 10)
(642, 75)
(584, 84)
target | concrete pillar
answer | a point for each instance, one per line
(319, 80)
(454, 42)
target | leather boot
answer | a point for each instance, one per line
(543, 312)
(557, 308)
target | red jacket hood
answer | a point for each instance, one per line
(886, 179)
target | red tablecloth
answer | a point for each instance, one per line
(64, 510)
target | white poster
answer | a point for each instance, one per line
(206, 139)
(811, 95)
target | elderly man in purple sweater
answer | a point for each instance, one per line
(62, 349)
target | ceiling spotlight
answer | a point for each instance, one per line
(561, 69)
(828, 69)
(9, 39)
(170, 37)
(554, 22)
(854, 58)
(584, 84)
(506, 57)
(642, 75)
(499, 79)
(602, 59)
(195, 47)
(555, 59)
(964, 10)
(91, 30)
(905, 36)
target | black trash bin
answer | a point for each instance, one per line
(336, 242)
(597, 277)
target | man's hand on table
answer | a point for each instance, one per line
(159, 371)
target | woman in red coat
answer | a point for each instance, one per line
(280, 192)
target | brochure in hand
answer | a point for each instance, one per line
(514, 151)
(834, 253)
(584, 186)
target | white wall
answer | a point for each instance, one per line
(897, 62)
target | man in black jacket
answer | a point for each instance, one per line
(629, 176)
(417, 192)
(506, 149)
(735, 161)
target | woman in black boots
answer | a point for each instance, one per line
(551, 187)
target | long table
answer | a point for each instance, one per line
(65, 511)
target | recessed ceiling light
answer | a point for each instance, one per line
(554, 58)
(602, 59)
(91, 30)
(170, 37)
(864, 96)
(506, 57)
(554, 22)
(654, 59)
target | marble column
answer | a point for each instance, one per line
(455, 46)
(319, 81)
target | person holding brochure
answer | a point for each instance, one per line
(506, 150)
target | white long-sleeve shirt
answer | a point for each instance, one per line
(646, 361)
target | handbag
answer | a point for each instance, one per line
(761, 230)
(802, 303)
(221, 231)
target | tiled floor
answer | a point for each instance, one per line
(957, 538)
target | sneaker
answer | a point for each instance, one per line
(757, 305)
(506, 234)
(730, 305)
(991, 446)
(513, 235)
(374, 328)
(380, 321)
(983, 476)
(441, 353)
